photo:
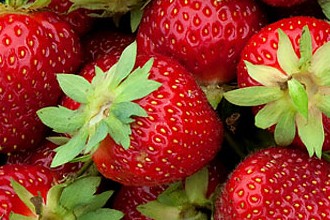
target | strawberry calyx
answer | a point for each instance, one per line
(107, 107)
(182, 200)
(71, 200)
(294, 97)
(25, 4)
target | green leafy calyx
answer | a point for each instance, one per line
(107, 106)
(294, 96)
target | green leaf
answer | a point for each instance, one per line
(253, 96)
(135, 19)
(100, 131)
(137, 85)
(71, 149)
(74, 86)
(14, 216)
(119, 131)
(158, 211)
(311, 131)
(125, 65)
(320, 64)
(325, 5)
(80, 192)
(97, 201)
(286, 56)
(323, 104)
(196, 187)
(174, 195)
(285, 130)
(266, 75)
(61, 119)
(270, 114)
(123, 111)
(102, 214)
(306, 50)
(24, 195)
(298, 96)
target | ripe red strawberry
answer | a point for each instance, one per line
(204, 36)
(283, 71)
(283, 3)
(162, 129)
(102, 42)
(30, 192)
(43, 156)
(276, 183)
(37, 180)
(35, 46)
(130, 199)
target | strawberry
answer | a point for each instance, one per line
(31, 192)
(137, 202)
(138, 131)
(283, 3)
(283, 73)
(101, 42)
(35, 46)
(276, 183)
(43, 156)
(204, 36)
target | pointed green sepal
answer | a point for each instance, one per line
(159, 211)
(174, 195)
(135, 19)
(14, 216)
(102, 214)
(24, 195)
(119, 131)
(285, 129)
(286, 56)
(196, 187)
(266, 75)
(323, 104)
(61, 119)
(99, 133)
(74, 86)
(306, 50)
(253, 96)
(311, 131)
(71, 149)
(298, 96)
(320, 64)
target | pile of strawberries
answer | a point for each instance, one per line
(165, 109)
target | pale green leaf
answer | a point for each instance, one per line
(137, 85)
(14, 216)
(23, 194)
(311, 131)
(135, 19)
(119, 131)
(320, 64)
(270, 114)
(285, 130)
(102, 214)
(253, 96)
(98, 201)
(125, 64)
(325, 5)
(196, 187)
(323, 104)
(286, 56)
(99, 133)
(71, 149)
(74, 86)
(306, 50)
(159, 211)
(298, 96)
(61, 119)
(174, 195)
(125, 110)
(266, 75)
(80, 192)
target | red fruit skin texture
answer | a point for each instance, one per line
(276, 183)
(33, 48)
(181, 134)
(129, 197)
(35, 179)
(103, 42)
(262, 49)
(283, 3)
(43, 156)
(204, 36)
